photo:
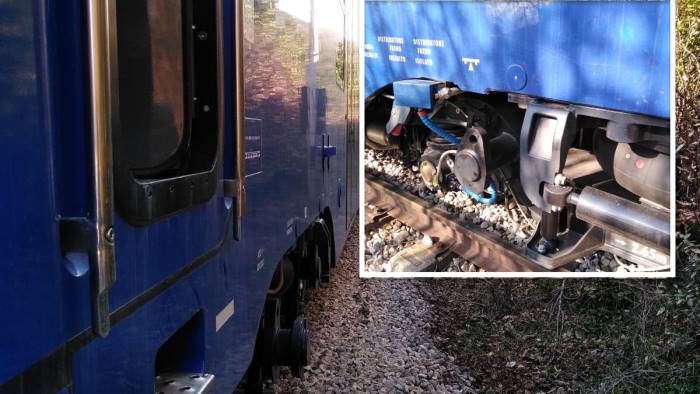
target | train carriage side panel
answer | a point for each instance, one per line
(187, 295)
(603, 54)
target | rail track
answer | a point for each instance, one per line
(484, 248)
(489, 237)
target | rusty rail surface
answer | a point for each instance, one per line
(466, 239)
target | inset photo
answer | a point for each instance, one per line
(518, 139)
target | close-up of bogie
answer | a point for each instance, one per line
(559, 182)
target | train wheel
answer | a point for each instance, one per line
(292, 346)
(287, 347)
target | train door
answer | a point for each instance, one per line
(165, 110)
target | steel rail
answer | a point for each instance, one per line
(479, 246)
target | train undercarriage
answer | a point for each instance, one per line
(283, 334)
(591, 179)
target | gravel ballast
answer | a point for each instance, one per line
(373, 335)
(387, 241)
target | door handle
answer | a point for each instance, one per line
(94, 235)
(102, 255)
(235, 188)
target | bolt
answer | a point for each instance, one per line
(542, 247)
(206, 108)
(202, 35)
(559, 179)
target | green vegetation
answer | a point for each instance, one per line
(688, 108)
(682, 295)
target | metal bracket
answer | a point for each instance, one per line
(545, 139)
(571, 246)
(399, 116)
(555, 196)
(183, 382)
(329, 151)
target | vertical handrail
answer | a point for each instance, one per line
(240, 114)
(102, 254)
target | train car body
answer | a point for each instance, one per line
(611, 55)
(546, 84)
(149, 257)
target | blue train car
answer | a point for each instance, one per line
(178, 175)
(562, 105)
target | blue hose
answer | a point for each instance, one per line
(436, 129)
(454, 140)
(481, 199)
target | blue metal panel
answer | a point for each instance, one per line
(125, 361)
(606, 54)
(44, 153)
(43, 305)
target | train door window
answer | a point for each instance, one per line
(164, 106)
